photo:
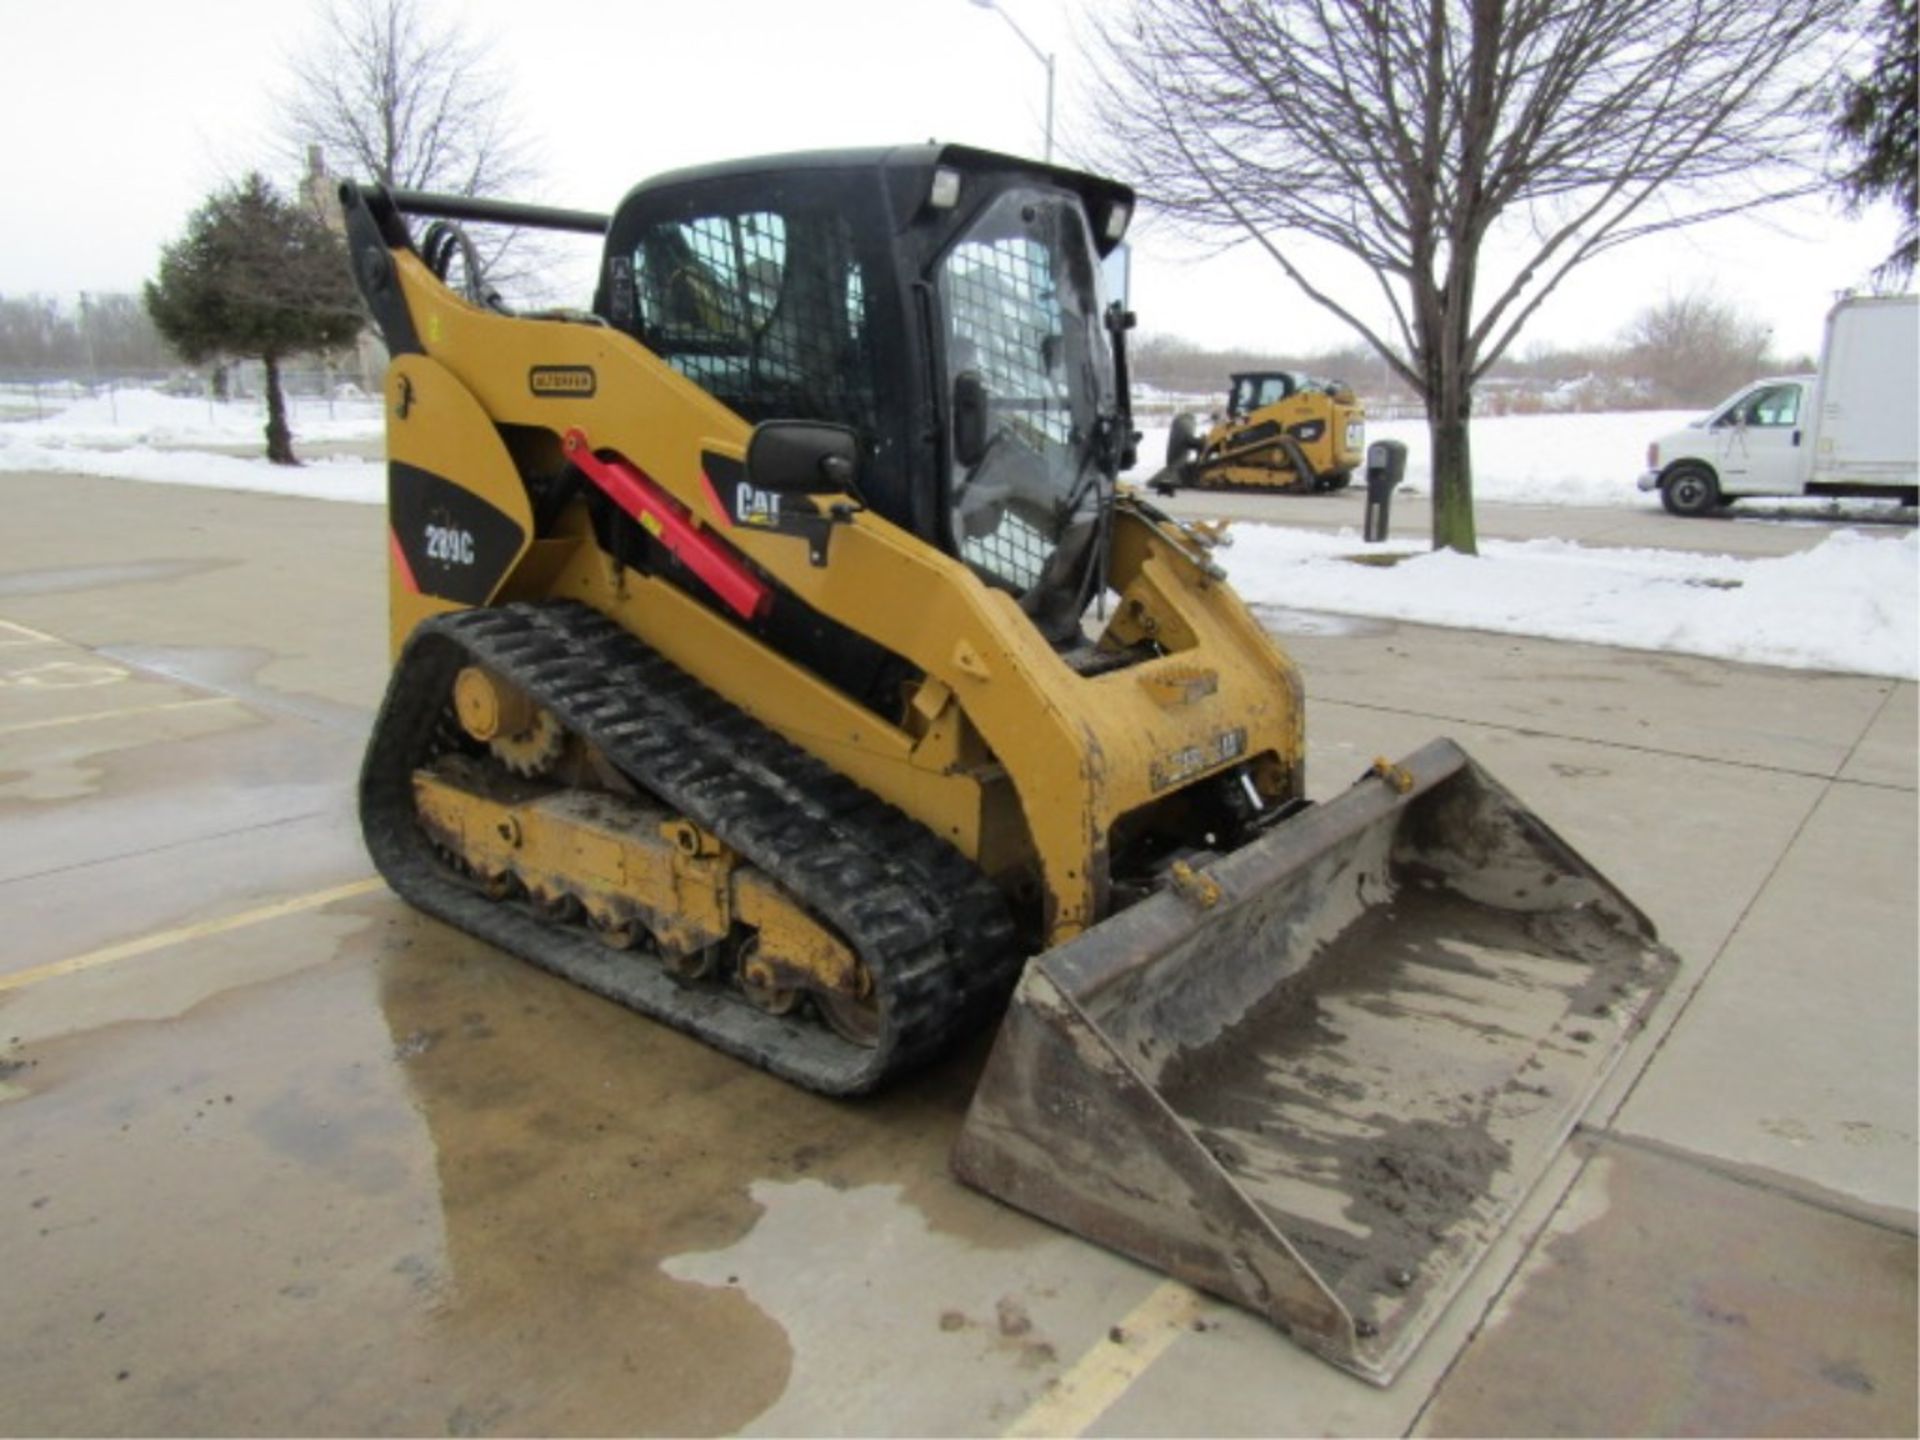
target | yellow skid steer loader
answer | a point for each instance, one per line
(775, 654)
(1281, 431)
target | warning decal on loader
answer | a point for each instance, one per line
(575, 382)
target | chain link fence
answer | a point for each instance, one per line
(319, 393)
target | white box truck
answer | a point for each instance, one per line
(1853, 429)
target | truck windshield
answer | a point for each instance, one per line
(1020, 301)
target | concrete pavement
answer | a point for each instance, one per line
(283, 1155)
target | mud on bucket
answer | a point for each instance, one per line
(1322, 1091)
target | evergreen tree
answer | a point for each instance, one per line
(257, 277)
(1877, 122)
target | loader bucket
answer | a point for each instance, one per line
(1317, 1077)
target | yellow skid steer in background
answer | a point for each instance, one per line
(1281, 431)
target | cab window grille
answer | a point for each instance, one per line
(1013, 316)
(1016, 550)
(766, 311)
(1000, 299)
(1001, 294)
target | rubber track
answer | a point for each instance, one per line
(934, 934)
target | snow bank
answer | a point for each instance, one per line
(1852, 603)
(1522, 459)
(1546, 459)
(364, 481)
(1590, 460)
(144, 435)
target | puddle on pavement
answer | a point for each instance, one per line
(99, 577)
(70, 762)
(234, 672)
(443, 1196)
(147, 781)
(412, 1187)
(875, 1302)
(1278, 620)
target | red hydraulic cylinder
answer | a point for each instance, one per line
(664, 518)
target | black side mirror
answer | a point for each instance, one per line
(803, 457)
(969, 418)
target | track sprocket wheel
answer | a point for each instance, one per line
(533, 751)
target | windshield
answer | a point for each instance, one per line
(1021, 304)
(1252, 392)
(766, 309)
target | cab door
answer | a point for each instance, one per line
(1758, 441)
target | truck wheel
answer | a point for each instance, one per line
(1690, 490)
(1183, 440)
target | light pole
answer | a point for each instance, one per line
(1044, 57)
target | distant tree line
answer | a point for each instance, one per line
(74, 338)
(1687, 350)
(1170, 362)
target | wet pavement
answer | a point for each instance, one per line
(279, 1155)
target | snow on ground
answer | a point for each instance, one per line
(122, 417)
(1522, 459)
(1590, 460)
(144, 435)
(1546, 459)
(1850, 604)
(364, 481)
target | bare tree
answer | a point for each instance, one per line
(1469, 153)
(389, 92)
(1694, 348)
(404, 100)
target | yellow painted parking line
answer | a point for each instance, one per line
(1105, 1373)
(119, 714)
(161, 939)
(12, 634)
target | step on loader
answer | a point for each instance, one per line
(775, 653)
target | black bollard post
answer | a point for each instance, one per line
(1386, 464)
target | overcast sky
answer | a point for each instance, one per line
(119, 115)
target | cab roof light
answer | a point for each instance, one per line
(946, 189)
(1117, 217)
